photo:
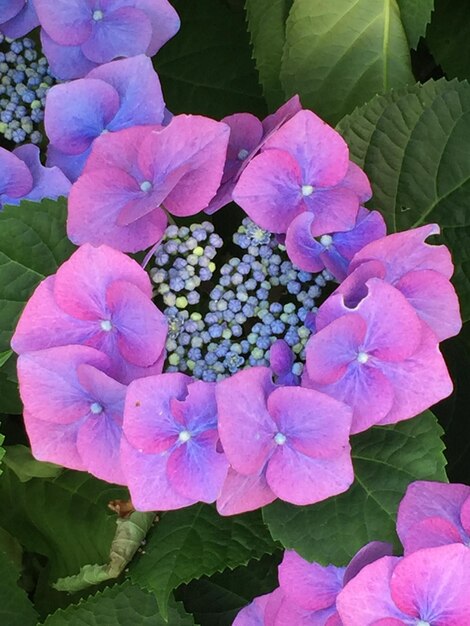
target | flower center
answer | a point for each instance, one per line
(326, 240)
(184, 436)
(106, 325)
(280, 439)
(146, 186)
(98, 15)
(96, 408)
(422, 623)
(362, 357)
(243, 154)
(307, 190)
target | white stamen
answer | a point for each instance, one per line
(280, 439)
(326, 240)
(106, 325)
(362, 357)
(243, 154)
(184, 436)
(98, 15)
(96, 408)
(422, 623)
(146, 186)
(307, 190)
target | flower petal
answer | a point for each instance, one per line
(65, 62)
(164, 20)
(303, 249)
(242, 493)
(16, 180)
(48, 182)
(67, 23)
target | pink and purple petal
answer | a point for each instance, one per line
(16, 180)
(66, 62)
(164, 20)
(246, 428)
(71, 164)
(10, 8)
(280, 117)
(333, 210)
(68, 23)
(48, 182)
(242, 493)
(369, 553)
(22, 22)
(98, 443)
(303, 249)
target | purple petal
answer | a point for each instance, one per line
(246, 132)
(303, 249)
(300, 479)
(66, 62)
(434, 299)
(10, 8)
(320, 151)
(70, 164)
(281, 357)
(279, 117)
(140, 325)
(49, 384)
(54, 443)
(370, 226)
(81, 282)
(253, 614)
(418, 382)
(22, 23)
(164, 20)
(244, 493)
(48, 182)
(430, 533)
(198, 411)
(465, 516)
(366, 598)
(433, 584)
(146, 478)
(98, 443)
(196, 470)
(369, 553)
(310, 585)
(245, 426)
(291, 614)
(311, 422)
(78, 112)
(407, 251)
(67, 23)
(140, 93)
(148, 424)
(333, 210)
(270, 190)
(125, 32)
(41, 312)
(357, 181)
(16, 180)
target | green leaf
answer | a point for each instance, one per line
(207, 68)
(4, 356)
(64, 518)
(120, 605)
(448, 37)
(2, 449)
(413, 145)
(130, 534)
(19, 459)
(33, 243)
(339, 54)
(415, 15)
(386, 460)
(191, 542)
(216, 601)
(15, 608)
(267, 26)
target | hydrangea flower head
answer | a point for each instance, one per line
(433, 514)
(170, 455)
(378, 357)
(133, 176)
(114, 96)
(82, 34)
(331, 251)
(73, 409)
(420, 271)
(17, 17)
(303, 166)
(295, 440)
(426, 588)
(25, 178)
(99, 298)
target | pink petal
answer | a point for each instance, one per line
(430, 533)
(465, 515)
(98, 443)
(333, 210)
(303, 249)
(243, 493)
(246, 429)
(369, 553)
(357, 181)
(68, 23)
(163, 19)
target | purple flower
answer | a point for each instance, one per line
(99, 298)
(81, 34)
(247, 135)
(332, 251)
(303, 166)
(434, 514)
(114, 96)
(419, 270)
(378, 357)
(294, 439)
(170, 455)
(134, 176)
(24, 178)
(73, 409)
(428, 587)
(17, 18)
(262, 611)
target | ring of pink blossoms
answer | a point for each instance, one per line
(91, 341)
